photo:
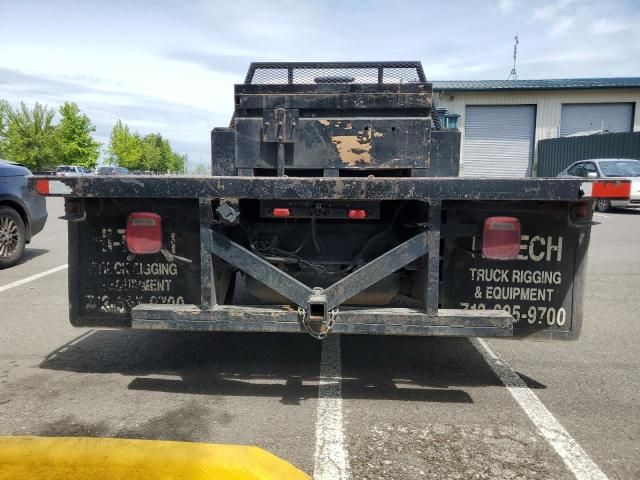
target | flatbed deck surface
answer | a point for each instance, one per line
(294, 188)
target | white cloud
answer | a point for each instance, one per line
(607, 26)
(551, 10)
(561, 26)
(506, 6)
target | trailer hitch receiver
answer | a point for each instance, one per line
(316, 318)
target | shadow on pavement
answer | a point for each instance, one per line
(30, 254)
(279, 365)
(625, 211)
(184, 423)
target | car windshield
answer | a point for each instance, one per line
(65, 169)
(122, 170)
(622, 168)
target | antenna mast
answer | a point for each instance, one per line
(513, 75)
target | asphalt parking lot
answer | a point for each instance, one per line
(351, 407)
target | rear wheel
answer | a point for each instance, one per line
(12, 237)
(603, 205)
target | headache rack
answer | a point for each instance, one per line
(335, 119)
(334, 72)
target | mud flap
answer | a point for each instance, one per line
(542, 289)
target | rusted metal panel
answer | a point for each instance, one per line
(336, 143)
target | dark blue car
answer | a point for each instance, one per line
(23, 213)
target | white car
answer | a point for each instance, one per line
(622, 168)
(71, 171)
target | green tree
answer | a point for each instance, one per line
(152, 152)
(125, 148)
(157, 153)
(74, 143)
(178, 163)
(29, 136)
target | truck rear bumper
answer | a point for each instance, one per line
(349, 320)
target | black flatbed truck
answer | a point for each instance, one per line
(335, 206)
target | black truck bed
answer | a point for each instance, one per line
(448, 307)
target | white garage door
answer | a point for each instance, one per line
(595, 117)
(498, 140)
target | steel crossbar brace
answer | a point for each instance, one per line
(318, 301)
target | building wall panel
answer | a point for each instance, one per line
(548, 106)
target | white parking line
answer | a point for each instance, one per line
(574, 457)
(331, 461)
(17, 283)
(600, 215)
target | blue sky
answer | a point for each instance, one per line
(170, 66)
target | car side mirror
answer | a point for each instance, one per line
(592, 175)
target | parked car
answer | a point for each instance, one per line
(71, 170)
(23, 212)
(622, 168)
(111, 170)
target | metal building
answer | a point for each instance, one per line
(502, 120)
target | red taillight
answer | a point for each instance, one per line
(42, 187)
(357, 214)
(144, 233)
(582, 211)
(501, 238)
(281, 212)
(52, 187)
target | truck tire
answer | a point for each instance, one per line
(12, 237)
(603, 205)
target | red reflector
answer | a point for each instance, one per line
(281, 212)
(501, 238)
(582, 211)
(42, 187)
(144, 233)
(611, 189)
(357, 214)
